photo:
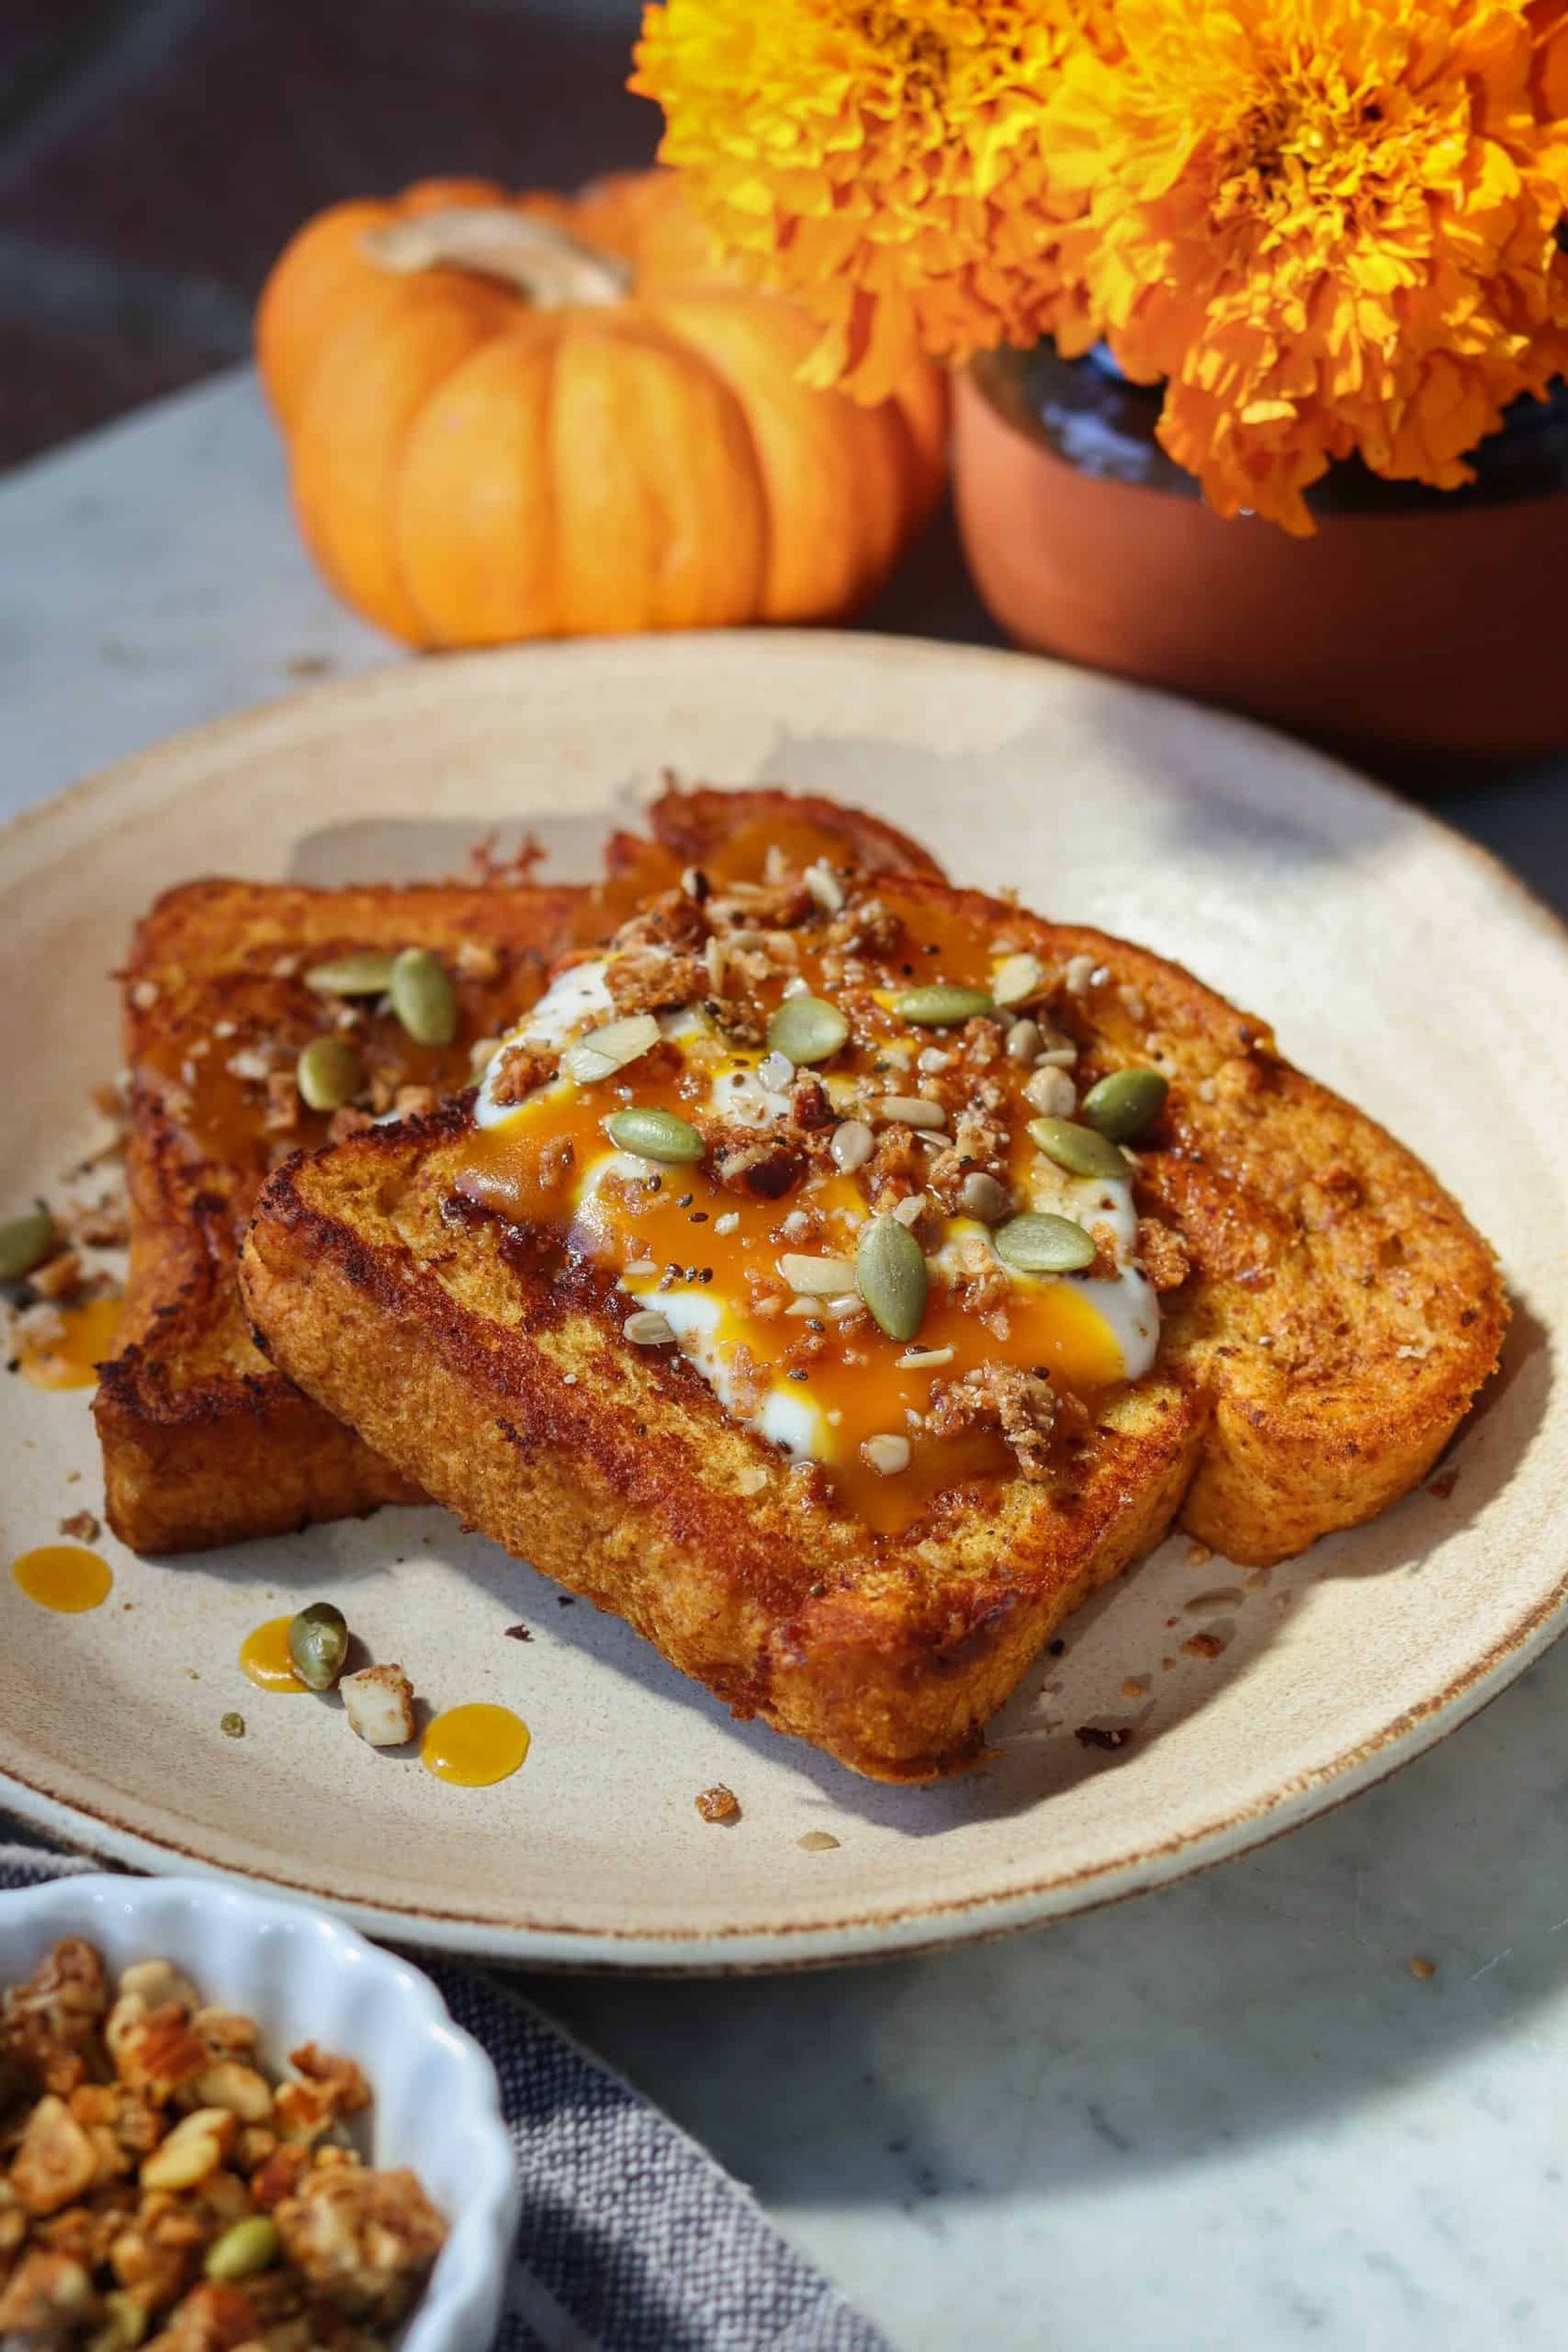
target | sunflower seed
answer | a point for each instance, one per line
(817, 1276)
(601, 1052)
(851, 1145)
(981, 1196)
(648, 1329)
(909, 1110)
(1017, 979)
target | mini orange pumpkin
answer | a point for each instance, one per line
(544, 416)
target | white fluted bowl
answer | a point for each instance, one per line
(304, 1976)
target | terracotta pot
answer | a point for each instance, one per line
(1415, 619)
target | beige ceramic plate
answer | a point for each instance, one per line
(1398, 964)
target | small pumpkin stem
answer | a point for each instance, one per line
(552, 268)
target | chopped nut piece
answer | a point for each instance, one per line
(157, 1982)
(889, 1454)
(56, 2162)
(477, 960)
(1162, 1254)
(57, 1277)
(282, 1114)
(82, 1527)
(106, 1225)
(718, 1803)
(196, 2147)
(46, 2297)
(379, 1703)
(364, 2240)
(239, 2089)
(1053, 1093)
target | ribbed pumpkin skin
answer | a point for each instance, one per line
(469, 470)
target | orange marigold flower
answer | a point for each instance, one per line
(881, 162)
(1332, 225)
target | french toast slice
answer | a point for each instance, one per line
(204, 1443)
(489, 1301)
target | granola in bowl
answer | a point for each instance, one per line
(163, 2186)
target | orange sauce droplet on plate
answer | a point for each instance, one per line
(264, 1660)
(70, 1359)
(64, 1577)
(474, 1747)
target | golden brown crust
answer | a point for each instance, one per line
(619, 1474)
(204, 1443)
(1339, 1317)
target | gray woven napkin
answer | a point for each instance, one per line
(632, 2238)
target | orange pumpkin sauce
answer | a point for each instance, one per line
(853, 1375)
(64, 1577)
(264, 1660)
(474, 1747)
(221, 1115)
(70, 1358)
(644, 868)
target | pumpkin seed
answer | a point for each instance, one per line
(1041, 1244)
(941, 1007)
(328, 1073)
(366, 973)
(1024, 1040)
(1123, 1104)
(603, 1052)
(806, 1030)
(423, 997)
(248, 2246)
(319, 1644)
(890, 1274)
(1081, 1151)
(655, 1135)
(25, 1243)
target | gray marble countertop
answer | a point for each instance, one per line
(1224, 2115)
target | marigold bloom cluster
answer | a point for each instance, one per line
(1330, 227)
